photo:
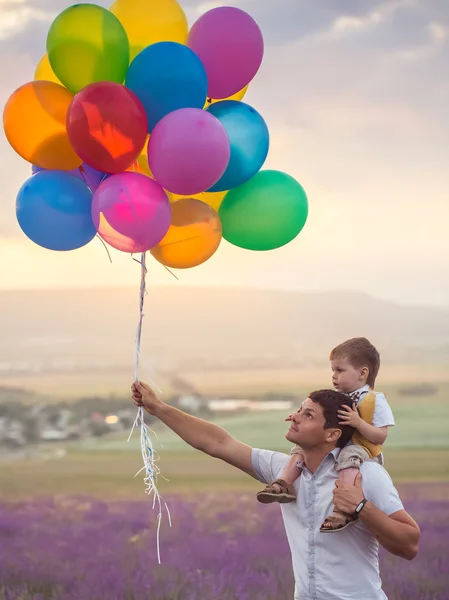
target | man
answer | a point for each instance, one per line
(326, 567)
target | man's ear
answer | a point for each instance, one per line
(333, 435)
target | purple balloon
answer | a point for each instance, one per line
(89, 175)
(188, 151)
(230, 45)
(131, 212)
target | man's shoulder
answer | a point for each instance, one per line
(371, 468)
(374, 474)
(379, 488)
(268, 464)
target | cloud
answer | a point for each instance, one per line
(16, 17)
(285, 20)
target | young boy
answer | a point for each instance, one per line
(355, 365)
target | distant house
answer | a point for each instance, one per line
(12, 432)
(231, 405)
(189, 403)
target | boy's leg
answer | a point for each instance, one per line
(348, 475)
(348, 466)
(282, 489)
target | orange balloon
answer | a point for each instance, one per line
(213, 199)
(34, 120)
(44, 72)
(194, 235)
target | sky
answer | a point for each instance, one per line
(356, 97)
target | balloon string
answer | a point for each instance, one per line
(83, 175)
(105, 247)
(171, 273)
(149, 455)
(143, 293)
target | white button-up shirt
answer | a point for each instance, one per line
(330, 566)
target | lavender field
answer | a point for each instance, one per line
(219, 548)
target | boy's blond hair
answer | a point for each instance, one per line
(360, 353)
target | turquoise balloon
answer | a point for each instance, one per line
(249, 138)
(265, 213)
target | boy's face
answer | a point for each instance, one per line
(345, 377)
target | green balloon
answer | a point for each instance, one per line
(265, 213)
(87, 43)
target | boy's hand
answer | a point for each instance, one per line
(349, 416)
(144, 397)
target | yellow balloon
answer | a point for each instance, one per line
(44, 72)
(143, 160)
(237, 96)
(150, 21)
(213, 199)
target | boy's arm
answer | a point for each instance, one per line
(375, 435)
(350, 416)
(198, 433)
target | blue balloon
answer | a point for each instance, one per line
(89, 175)
(167, 76)
(249, 138)
(53, 209)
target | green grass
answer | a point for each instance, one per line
(420, 423)
(417, 449)
(111, 476)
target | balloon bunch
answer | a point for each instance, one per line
(136, 132)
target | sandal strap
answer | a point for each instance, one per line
(284, 487)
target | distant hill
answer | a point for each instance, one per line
(199, 328)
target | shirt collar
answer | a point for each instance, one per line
(333, 455)
(361, 390)
(357, 394)
(335, 452)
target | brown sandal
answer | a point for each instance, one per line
(338, 522)
(277, 491)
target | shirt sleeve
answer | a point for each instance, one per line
(268, 465)
(379, 489)
(383, 415)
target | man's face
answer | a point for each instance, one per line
(345, 377)
(307, 426)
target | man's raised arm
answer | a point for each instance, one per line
(198, 433)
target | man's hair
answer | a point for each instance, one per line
(360, 353)
(331, 401)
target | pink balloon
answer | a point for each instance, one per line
(131, 212)
(230, 45)
(188, 151)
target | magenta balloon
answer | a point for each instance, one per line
(230, 45)
(131, 212)
(188, 151)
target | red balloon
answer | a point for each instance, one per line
(107, 126)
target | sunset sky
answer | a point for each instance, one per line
(356, 97)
